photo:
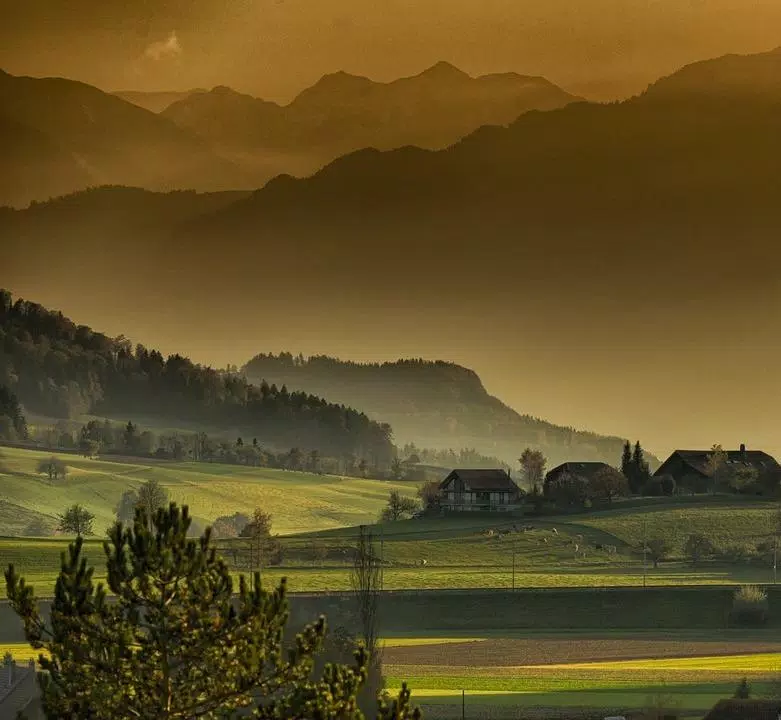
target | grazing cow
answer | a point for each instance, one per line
(424, 562)
(555, 531)
(611, 549)
(545, 540)
(577, 547)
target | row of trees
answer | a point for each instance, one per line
(106, 438)
(59, 369)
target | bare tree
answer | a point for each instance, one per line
(365, 579)
(533, 467)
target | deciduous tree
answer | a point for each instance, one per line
(658, 548)
(532, 467)
(151, 497)
(76, 520)
(430, 496)
(54, 468)
(608, 483)
(398, 507)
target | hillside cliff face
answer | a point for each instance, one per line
(434, 404)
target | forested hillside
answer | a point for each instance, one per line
(60, 369)
(436, 404)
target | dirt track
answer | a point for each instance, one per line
(547, 651)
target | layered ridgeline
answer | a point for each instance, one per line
(59, 369)
(59, 135)
(343, 112)
(435, 404)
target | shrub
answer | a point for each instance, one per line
(698, 547)
(743, 691)
(750, 606)
(739, 552)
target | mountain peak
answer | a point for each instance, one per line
(444, 70)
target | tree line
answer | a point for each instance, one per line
(59, 369)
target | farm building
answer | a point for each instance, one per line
(690, 468)
(585, 470)
(478, 490)
(745, 710)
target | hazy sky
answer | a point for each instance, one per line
(683, 376)
(274, 48)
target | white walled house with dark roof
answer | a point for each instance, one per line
(478, 490)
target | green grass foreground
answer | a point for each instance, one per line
(316, 517)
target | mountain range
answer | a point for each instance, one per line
(343, 112)
(65, 135)
(438, 405)
(60, 136)
(649, 224)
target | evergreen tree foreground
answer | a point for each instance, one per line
(176, 642)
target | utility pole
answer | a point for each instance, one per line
(775, 558)
(645, 550)
(463, 704)
(382, 559)
(513, 563)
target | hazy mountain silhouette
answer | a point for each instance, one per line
(343, 112)
(83, 136)
(735, 77)
(433, 404)
(582, 223)
(155, 101)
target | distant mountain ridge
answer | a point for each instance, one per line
(341, 113)
(155, 101)
(435, 404)
(65, 135)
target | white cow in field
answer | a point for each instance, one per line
(424, 562)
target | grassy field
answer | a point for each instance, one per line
(297, 501)
(317, 516)
(542, 672)
(498, 677)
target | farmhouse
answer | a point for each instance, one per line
(585, 470)
(690, 467)
(478, 490)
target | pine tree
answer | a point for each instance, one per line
(176, 642)
(626, 460)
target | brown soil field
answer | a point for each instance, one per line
(555, 651)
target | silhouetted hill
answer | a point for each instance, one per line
(59, 369)
(435, 404)
(594, 181)
(155, 101)
(88, 137)
(735, 77)
(342, 113)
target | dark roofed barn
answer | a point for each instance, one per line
(478, 490)
(585, 470)
(690, 468)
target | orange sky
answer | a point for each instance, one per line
(274, 48)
